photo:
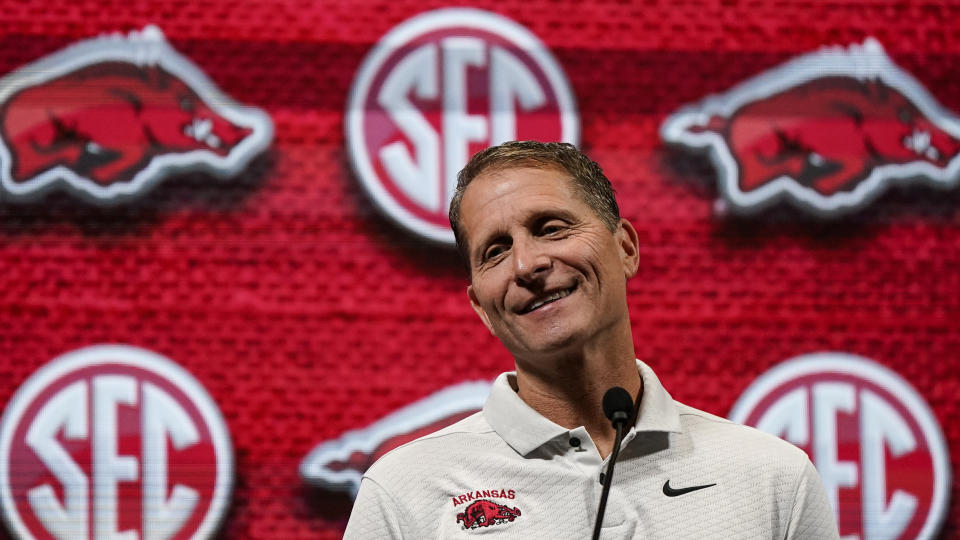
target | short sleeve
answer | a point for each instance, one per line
(811, 516)
(374, 515)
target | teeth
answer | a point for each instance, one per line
(550, 298)
(919, 141)
(201, 129)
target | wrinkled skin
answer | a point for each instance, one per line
(530, 235)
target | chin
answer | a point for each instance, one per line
(550, 345)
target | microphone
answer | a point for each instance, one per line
(617, 406)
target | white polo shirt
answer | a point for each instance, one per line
(511, 473)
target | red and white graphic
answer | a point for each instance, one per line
(339, 464)
(879, 449)
(112, 441)
(484, 513)
(438, 88)
(477, 494)
(830, 131)
(110, 116)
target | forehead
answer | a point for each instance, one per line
(497, 198)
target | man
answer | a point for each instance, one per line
(549, 258)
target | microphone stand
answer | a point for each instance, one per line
(619, 418)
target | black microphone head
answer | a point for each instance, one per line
(617, 404)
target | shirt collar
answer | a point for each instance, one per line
(525, 430)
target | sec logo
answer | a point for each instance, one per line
(438, 88)
(111, 442)
(879, 449)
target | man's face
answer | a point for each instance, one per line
(547, 275)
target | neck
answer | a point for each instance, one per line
(568, 390)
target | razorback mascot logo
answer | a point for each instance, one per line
(484, 513)
(109, 116)
(339, 464)
(829, 131)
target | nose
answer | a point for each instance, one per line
(530, 261)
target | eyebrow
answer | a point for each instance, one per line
(529, 221)
(487, 241)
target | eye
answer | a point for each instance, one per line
(905, 115)
(552, 227)
(186, 103)
(494, 251)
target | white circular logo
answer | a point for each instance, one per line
(438, 88)
(112, 441)
(876, 444)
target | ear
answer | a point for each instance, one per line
(475, 304)
(629, 244)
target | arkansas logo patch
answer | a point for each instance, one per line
(108, 117)
(829, 131)
(484, 513)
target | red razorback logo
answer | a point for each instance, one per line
(484, 513)
(108, 116)
(339, 464)
(828, 130)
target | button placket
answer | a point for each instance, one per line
(581, 451)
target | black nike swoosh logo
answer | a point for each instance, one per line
(671, 492)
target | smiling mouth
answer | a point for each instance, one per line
(548, 299)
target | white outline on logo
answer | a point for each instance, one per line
(147, 47)
(456, 399)
(400, 36)
(864, 62)
(130, 356)
(864, 368)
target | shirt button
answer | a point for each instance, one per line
(574, 442)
